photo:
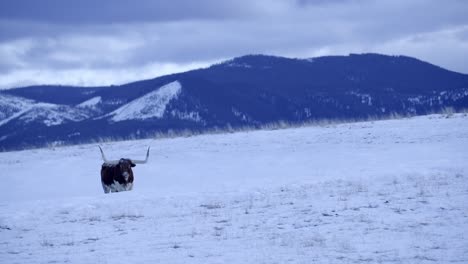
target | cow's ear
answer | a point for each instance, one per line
(133, 164)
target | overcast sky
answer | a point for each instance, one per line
(90, 42)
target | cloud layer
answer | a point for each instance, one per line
(85, 43)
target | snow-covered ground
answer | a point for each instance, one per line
(391, 191)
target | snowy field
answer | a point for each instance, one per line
(391, 191)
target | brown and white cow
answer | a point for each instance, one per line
(117, 175)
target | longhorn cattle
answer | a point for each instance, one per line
(117, 175)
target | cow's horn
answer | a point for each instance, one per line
(142, 161)
(105, 160)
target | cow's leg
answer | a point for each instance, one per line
(129, 186)
(106, 188)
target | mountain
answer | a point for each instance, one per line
(252, 90)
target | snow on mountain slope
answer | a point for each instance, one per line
(52, 115)
(91, 103)
(381, 192)
(151, 105)
(26, 110)
(12, 107)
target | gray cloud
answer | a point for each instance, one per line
(118, 11)
(156, 37)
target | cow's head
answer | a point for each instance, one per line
(125, 166)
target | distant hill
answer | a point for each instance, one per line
(252, 90)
